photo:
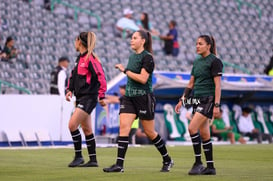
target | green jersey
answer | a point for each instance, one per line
(204, 70)
(135, 64)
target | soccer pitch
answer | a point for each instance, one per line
(232, 162)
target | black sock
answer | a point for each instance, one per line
(123, 142)
(160, 145)
(196, 143)
(91, 147)
(77, 140)
(207, 147)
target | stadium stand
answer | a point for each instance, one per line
(44, 138)
(243, 30)
(13, 138)
(29, 138)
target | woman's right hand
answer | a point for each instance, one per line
(178, 107)
(68, 96)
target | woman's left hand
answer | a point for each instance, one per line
(102, 102)
(216, 112)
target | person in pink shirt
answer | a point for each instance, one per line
(87, 82)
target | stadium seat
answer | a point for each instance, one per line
(257, 124)
(175, 127)
(237, 112)
(225, 114)
(270, 113)
(29, 138)
(182, 117)
(14, 138)
(262, 117)
(44, 138)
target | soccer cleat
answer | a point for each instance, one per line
(167, 166)
(76, 162)
(90, 164)
(196, 169)
(208, 171)
(114, 168)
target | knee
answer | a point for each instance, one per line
(124, 130)
(151, 134)
(86, 130)
(205, 135)
(72, 126)
(192, 130)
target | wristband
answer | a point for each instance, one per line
(187, 92)
(125, 70)
(217, 105)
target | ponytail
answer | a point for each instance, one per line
(148, 40)
(148, 46)
(88, 40)
(213, 46)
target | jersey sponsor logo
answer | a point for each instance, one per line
(199, 109)
(191, 101)
(142, 111)
(122, 106)
(80, 106)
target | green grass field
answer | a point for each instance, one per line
(233, 162)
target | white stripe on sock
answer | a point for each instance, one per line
(76, 135)
(207, 143)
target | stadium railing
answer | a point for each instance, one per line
(2, 82)
(76, 11)
(227, 64)
(251, 5)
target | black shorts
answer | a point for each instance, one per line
(204, 105)
(142, 106)
(86, 103)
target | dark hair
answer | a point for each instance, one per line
(123, 86)
(83, 38)
(61, 59)
(173, 22)
(246, 109)
(210, 41)
(9, 38)
(148, 40)
(88, 40)
(269, 66)
(145, 21)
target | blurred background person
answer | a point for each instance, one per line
(126, 24)
(58, 77)
(145, 24)
(115, 99)
(247, 128)
(2, 54)
(171, 45)
(269, 68)
(219, 127)
(9, 49)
